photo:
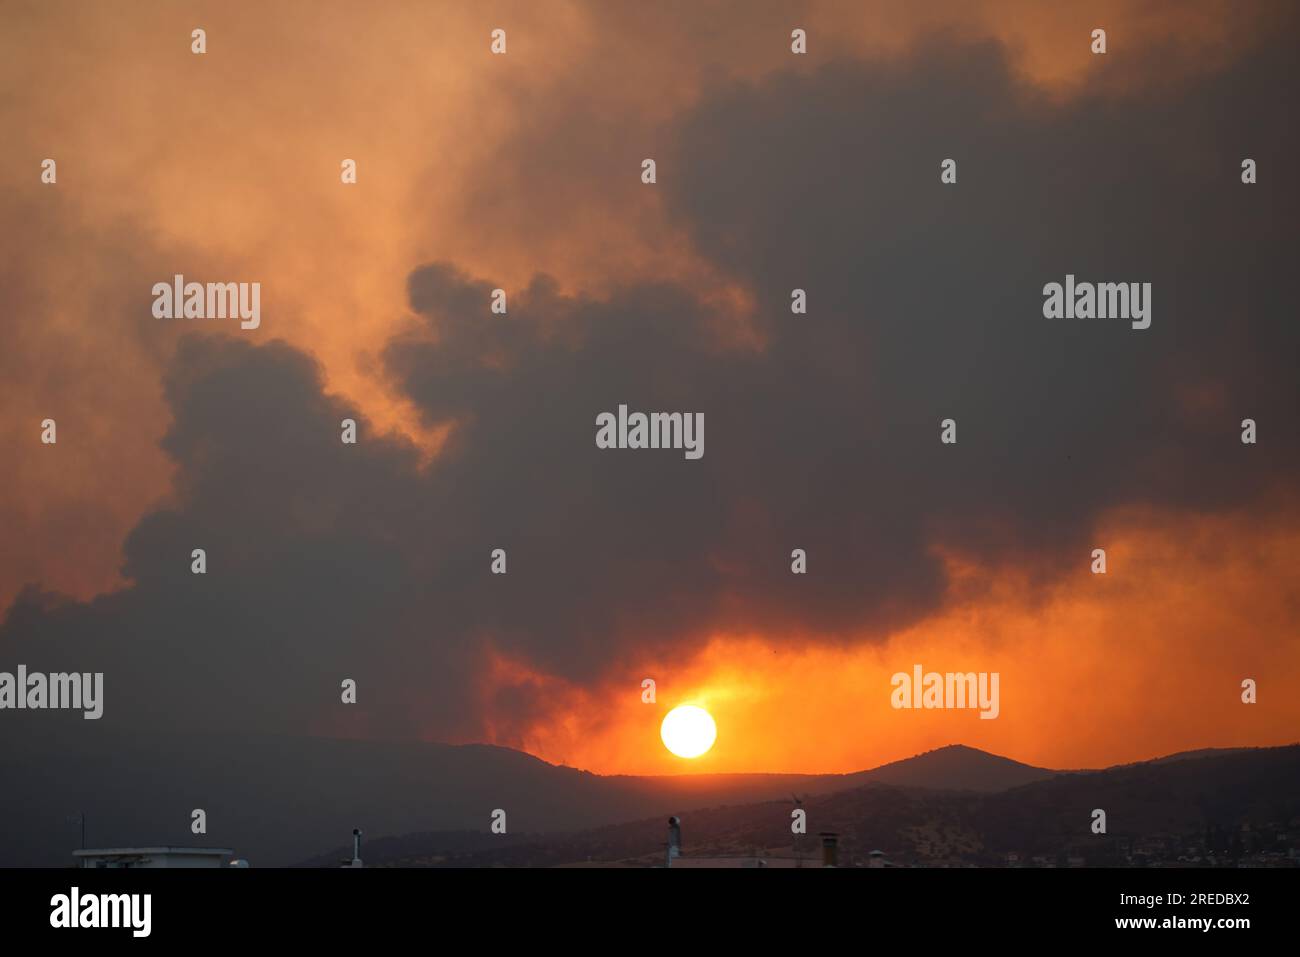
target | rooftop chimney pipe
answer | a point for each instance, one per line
(674, 839)
(830, 849)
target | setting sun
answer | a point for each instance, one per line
(688, 731)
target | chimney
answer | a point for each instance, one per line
(356, 847)
(674, 839)
(830, 849)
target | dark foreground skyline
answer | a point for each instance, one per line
(433, 805)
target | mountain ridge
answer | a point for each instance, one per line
(1233, 806)
(139, 790)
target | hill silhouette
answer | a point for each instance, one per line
(283, 801)
(1208, 808)
(277, 801)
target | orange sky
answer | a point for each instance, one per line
(228, 164)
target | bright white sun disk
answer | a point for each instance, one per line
(688, 731)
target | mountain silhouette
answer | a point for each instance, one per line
(278, 801)
(1212, 808)
(284, 801)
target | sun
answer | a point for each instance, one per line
(688, 731)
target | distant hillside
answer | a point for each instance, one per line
(954, 768)
(278, 801)
(1232, 805)
(283, 801)
(1193, 755)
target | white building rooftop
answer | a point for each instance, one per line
(153, 857)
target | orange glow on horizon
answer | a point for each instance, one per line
(1100, 670)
